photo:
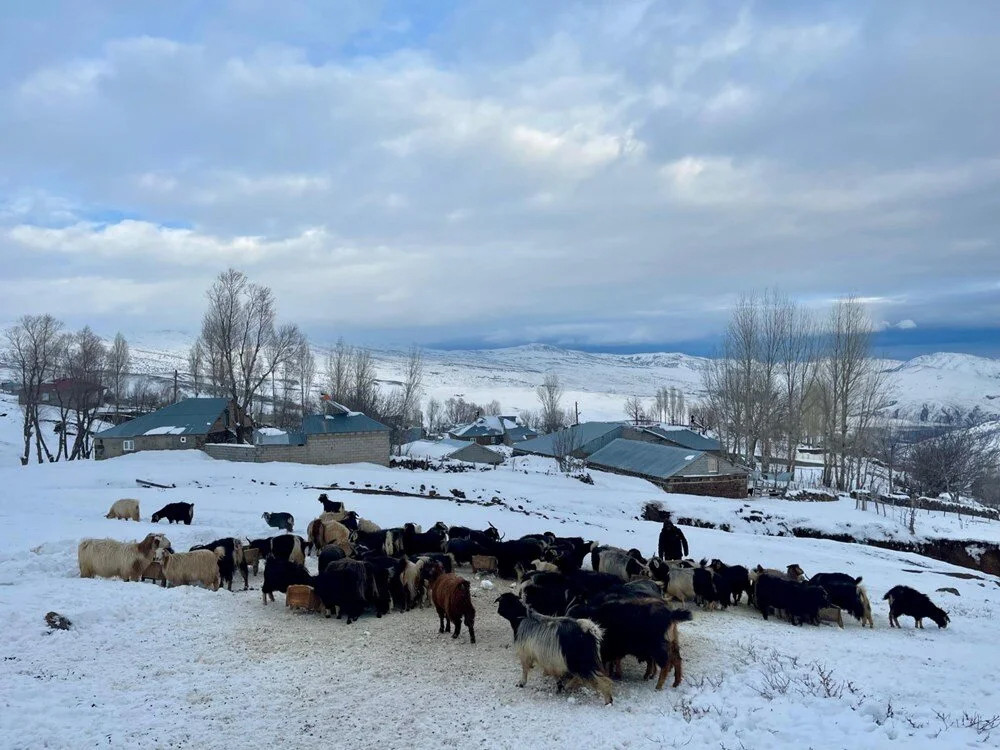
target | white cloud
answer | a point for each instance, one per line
(611, 159)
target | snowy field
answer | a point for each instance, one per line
(148, 667)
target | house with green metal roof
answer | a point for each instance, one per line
(339, 436)
(188, 424)
(672, 468)
(493, 430)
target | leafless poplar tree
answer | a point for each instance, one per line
(412, 380)
(196, 366)
(119, 364)
(550, 394)
(433, 415)
(854, 390)
(86, 364)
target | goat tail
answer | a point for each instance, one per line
(680, 615)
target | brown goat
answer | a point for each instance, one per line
(453, 601)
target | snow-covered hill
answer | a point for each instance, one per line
(942, 386)
(928, 389)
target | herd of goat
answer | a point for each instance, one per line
(574, 623)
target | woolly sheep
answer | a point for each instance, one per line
(107, 558)
(125, 509)
(200, 566)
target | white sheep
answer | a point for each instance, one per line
(107, 558)
(125, 509)
(200, 566)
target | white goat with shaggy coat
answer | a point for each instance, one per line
(200, 566)
(325, 530)
(107, 558)
(125, 509)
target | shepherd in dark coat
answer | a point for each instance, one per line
(673, 545)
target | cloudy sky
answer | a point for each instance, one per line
(606, 175)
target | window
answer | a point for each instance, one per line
(713, 465)
(184, 439)
(128, 445)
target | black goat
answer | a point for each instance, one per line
(645, 628)
(911, 603)
(280, 574)
(331, 506)
(847, 593)
(175, 513)
(432, 540)
(736, 577)
(800, 602)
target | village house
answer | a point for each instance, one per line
(672, 468)
(69, 393)
(493, 430)
(188, 424)
(451, 450)
(340, 436)
(677, 459)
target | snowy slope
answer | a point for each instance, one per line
(151, 667)
(928, 388)
(933, 386)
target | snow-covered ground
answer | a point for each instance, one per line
(149, 667)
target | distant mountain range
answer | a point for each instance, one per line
(926, 389)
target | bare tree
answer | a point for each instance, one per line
(119, 364)
(32, 348)
(363, 391)
(305, 365)
(854, 389)
(798, 366)
(952, 463)
(742, 382)
(550, 394)
(459, 411)
(492, 408)
(634, 409)
(433, 414)
(530, 419)
(239, 326)
(412, 381)
(565, 442)
(196, 366)
(86, 365)
(338, 371)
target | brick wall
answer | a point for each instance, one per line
(112, 447)
(339, 448)
(245, 453)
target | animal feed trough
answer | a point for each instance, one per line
(484, 564)
(302, 597)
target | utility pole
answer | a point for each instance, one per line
(175, 386)
(576, 409)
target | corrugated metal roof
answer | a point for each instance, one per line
(192, 416)
(580, 434)
(322, 424)
(461, 450)
(651, 459)
(519, 434)
(686, 437)
(278, 437)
